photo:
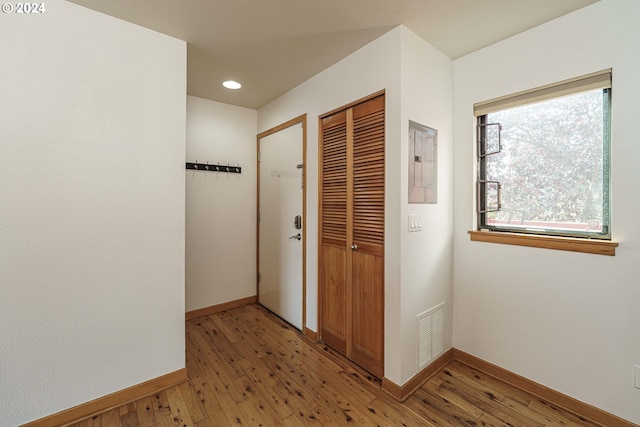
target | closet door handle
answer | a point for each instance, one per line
(354, 247)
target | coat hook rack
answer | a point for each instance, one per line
(206, 167)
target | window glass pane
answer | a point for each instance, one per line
(552, 165)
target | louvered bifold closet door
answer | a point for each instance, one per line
(351, 279)
(367, 255)
(333, 230)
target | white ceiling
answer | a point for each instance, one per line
(271, 46)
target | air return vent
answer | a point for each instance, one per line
(430, 335)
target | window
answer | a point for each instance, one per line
(543, 160)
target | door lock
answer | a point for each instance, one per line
(296, 236)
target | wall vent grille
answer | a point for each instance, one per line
(430, 335)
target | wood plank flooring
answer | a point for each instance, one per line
(249, 368)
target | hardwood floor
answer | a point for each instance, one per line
(249, 368)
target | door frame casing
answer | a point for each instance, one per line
(302, 119)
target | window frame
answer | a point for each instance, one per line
(516, 235)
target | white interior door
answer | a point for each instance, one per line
(280, 241)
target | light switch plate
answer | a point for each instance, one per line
(415, 222)
(636, 371)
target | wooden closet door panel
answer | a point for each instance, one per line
(367, 263)
(368, 312)
(334, 296)
(333, 231)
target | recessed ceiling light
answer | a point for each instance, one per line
(231, 84)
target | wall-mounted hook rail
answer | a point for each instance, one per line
(206, 167)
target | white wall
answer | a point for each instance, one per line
(427, 255)
(221, 207)
(92, 211)
(566, 320)
(381, 65)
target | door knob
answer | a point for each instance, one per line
(354, 247)
(296, 236)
